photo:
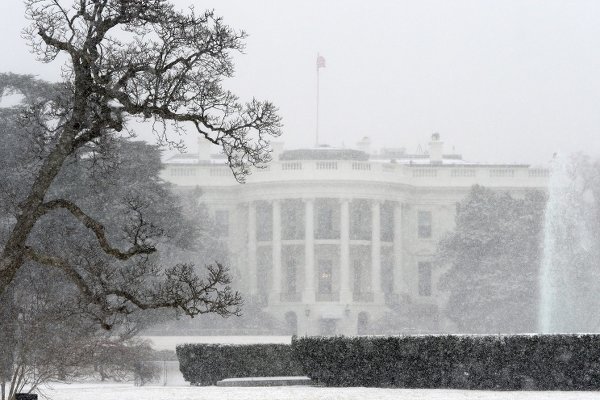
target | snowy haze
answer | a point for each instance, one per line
(510, 81)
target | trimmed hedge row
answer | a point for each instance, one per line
(534, 362)
(205, 364)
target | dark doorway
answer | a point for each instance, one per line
(327, 326)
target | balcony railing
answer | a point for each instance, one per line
(328, 297)
(502, 173)
(362, 297)
(424, 173)
(361, 166)
(220, 171)
(463, 173)
(539, 173)
(362, 170)
(290, 297)
(287, 166)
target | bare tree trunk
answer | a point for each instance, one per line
(13, 254)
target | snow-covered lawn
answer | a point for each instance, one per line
(130, 392)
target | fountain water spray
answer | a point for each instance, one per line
(569, 272)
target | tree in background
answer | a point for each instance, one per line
(493, 259)
(124, 59)
(133, 58)
(109, 192)
(50, 329)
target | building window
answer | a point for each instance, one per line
(264, 268)
(424, 224)
(325, 277)
(327, 219)
(358, 276)
(424, 278)
(291, 275)
(264, 221)
(292, 220)
(387, 269)
(360, 220)
(222, 223)
(387, 221)
(292, 259)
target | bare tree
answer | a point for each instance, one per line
(54, 340)
(49, 329)
(130, 58)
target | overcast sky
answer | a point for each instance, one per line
(501, 81)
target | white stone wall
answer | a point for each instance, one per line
(435, 189)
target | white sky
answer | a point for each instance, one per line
(502, 81)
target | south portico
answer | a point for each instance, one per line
(322, 279)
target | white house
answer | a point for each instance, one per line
(329, 240)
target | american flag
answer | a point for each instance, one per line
(320, 61)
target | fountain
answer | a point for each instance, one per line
(569, 289)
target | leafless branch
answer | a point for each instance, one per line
(178, 287)
(139, 245)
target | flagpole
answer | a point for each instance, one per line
(317, 128)
(320, 64)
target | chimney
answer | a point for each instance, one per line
(364, 145)
(204, 150)
(277, 150)
(436, 149)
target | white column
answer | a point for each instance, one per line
(345, 292)
(276, 242)
(376, 251)
(251, 251)
(399, 278)
(309, 251)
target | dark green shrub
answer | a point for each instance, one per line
(534, 362)
(205, 364)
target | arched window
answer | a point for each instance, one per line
(291, 323)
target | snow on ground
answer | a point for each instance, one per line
(170, 342)
(130, 392)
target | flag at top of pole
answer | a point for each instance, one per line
(320, 61)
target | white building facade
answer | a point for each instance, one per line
(331, 240)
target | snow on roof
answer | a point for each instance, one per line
(332, 153)
(193, 158)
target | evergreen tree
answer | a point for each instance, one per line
(493, 259)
